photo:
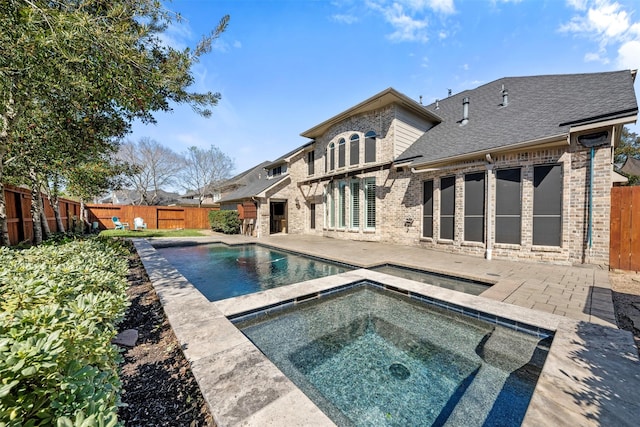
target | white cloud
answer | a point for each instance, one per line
(443, 6)
(410, 18)
(465, 67)
(629, 55)
(592, 57)
(406, 27)
(237, 44)
(608, 24)
(595, 57)
(577, 4)
(344, 19)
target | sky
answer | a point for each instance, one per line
(284, 66)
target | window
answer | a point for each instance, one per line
(341, 152)
(311, 158)
(370, 203)
(332, 156)
(276, 171)
(312, 210)
(331, 211)
(355, 204)
(474, 207)
(508, 206)
(354, 149)
(370, 147)
(447, 207)
(342, 201)
(427, 208)
(547, 205)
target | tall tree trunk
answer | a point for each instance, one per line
(84, 221)
(46, 231)
(35, 212)
(54, 202)
(55, 205)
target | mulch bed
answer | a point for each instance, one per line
(158, 386)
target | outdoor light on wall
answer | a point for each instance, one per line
(297, 203)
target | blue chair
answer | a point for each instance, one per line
(119, 225)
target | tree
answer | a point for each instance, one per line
(84, 69)
(154, 168)
(93, 178)
(629, 147)
(204, 169)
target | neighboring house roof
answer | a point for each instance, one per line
(631, 166)
(253, 182)
(243, 178)
(539, 109)
(386, 97)
(235, 181)
(131, 197)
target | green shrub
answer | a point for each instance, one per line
(58, 314)
(227, 222)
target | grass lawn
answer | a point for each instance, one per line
(152, 233)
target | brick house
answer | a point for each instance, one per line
(519, 168)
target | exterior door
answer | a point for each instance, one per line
(277, 213)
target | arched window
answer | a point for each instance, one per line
(341, 152)
(332, 156)
(370, 147)
(354, 149)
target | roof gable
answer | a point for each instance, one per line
(382, 99)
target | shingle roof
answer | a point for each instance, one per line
(253, 182)
(285, 157)
(538, 107)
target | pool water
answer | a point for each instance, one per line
(369, 357)
(454, 283)
(219, 271)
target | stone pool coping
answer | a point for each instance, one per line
(591, 375)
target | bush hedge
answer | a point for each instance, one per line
(227, 222)
(58, 313)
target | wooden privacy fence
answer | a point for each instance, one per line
(19, 221)
(624, 247)
(156, 217)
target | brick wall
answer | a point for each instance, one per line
(399, 197)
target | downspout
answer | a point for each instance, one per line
(590, 227)
(490, 180)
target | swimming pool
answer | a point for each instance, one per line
(472, 287)
(368, 356)
(220, 271)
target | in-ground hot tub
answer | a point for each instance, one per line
(370, 356)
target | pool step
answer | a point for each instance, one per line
(510, 350)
